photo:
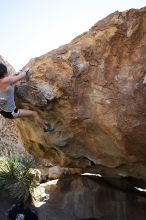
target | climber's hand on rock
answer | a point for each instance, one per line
(28, 72)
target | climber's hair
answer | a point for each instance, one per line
(3, 70)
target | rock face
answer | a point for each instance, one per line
(84, 198)
(93, 92)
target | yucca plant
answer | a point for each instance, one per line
(15, 177)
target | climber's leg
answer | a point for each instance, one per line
(35, 117)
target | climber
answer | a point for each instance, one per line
(8, 108)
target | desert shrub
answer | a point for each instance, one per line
(16, 178)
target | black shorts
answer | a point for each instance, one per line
(10, 115)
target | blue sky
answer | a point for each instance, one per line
(30, 28)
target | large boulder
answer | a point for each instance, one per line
(93, 92)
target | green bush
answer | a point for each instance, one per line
(15, 177)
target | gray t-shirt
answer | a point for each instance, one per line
(7, 101)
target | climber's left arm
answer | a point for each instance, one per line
(12, 79)
(16, 78)
(20, 75)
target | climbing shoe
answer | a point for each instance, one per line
(49, 129)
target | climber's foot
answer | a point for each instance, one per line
(48, 129)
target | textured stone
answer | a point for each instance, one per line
(92, 91)
(82, 197)
(58, 172)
